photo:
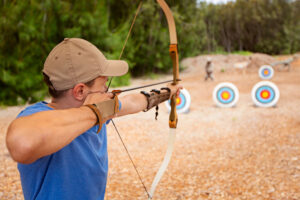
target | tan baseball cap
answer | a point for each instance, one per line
(76, 60)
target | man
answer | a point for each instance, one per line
(61, 147)
(209, 69)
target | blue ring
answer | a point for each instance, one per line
(225, 89)
(261, 100)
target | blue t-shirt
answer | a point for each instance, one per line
(77, 171)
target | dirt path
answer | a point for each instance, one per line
(233, 153)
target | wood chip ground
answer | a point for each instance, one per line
(236, 153)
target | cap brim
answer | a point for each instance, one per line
(116, 68)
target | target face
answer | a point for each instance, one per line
(225, 95)
(266, 72)
(265, 94)
(183, 102)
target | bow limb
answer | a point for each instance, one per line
(173, 50)
(173, 119)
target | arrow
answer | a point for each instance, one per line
(144, 86)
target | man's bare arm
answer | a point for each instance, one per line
(132, 103)
(32, 137)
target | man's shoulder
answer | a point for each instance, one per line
(34, 108)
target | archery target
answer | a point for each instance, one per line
(265, 94)
(266, 72)
(225, 95)
(183, 102)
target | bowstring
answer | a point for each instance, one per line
(127, 37)
(128, 34)
(131, 158)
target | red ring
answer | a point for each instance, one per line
(227, 94)
(263, 92)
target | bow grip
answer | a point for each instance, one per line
(173, 119)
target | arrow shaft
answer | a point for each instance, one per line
(144, 86)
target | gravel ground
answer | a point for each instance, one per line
(231, 153)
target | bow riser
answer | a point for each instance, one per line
(173, 119)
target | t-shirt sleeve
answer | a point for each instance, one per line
(27, 112)
(33, 109)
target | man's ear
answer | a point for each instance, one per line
(79, 91)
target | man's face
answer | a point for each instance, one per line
(99, 84)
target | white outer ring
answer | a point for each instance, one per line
(235, 90)
(267, 83)
(266, 67)
(187, 105)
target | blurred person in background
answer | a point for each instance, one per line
(209, 69)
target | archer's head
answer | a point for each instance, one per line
(75, 62)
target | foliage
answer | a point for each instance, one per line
(30, 29)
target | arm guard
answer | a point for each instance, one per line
(155, 98)
(105, 109)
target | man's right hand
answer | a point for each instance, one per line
(97, 97)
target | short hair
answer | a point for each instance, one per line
(59, 93)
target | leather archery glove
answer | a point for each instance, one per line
(105, 110)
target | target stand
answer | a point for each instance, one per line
(265, 94)
(225, 95)
(183, 102)
(266, 72)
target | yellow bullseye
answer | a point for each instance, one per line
(265, 94)
(178, 101)
(225, 95)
